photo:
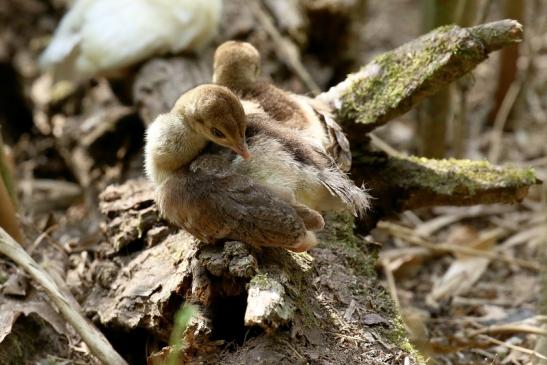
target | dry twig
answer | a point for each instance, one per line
(509, 328)
(514, 347)
(388, 271)
(410, 236)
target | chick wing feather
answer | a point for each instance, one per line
(214, 206)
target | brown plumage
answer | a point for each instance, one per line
(237, 66)
(222, 205)
(206, 195)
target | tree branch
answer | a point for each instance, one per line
(399, 183)
(396, 81)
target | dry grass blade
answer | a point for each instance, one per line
(453, 215)
(437, 223)
(523, 236)
(460, 277)
(510, 328)
(388, 271)
(457, 300)
(514, 347)
(501, 120)
(383, 145)
(96, 341)
(410, 236)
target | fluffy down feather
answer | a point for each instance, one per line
(213, 203)
(101, 37)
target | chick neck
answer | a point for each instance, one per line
(235, 78)
(171, 144)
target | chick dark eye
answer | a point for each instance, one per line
(217, 133)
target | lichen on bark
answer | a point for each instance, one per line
(396, 81)
(399, 182)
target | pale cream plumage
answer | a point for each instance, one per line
(102, 37)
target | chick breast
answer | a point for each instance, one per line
(104, 36)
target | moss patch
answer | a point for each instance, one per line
(399, 183)
(338, 233)
(452, 176)
(394, 81)
(339, 236)
(262, 281)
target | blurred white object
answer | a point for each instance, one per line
(102, 37)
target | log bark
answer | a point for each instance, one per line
(399, 183)
(395, 82)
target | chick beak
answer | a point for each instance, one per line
(242, 150)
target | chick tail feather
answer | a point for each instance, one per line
(357, 199)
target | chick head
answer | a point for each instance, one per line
(217, 114)
(236, 62)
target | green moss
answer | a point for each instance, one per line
(452, 176)
(301, 291)
(397, 333)
(262, 281)
(339, 234)
(297, 288)
(386, 86)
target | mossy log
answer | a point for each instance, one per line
(399, 183)
(395, 81)
(391, 85)
(244, 294)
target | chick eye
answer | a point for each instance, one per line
(217, 133)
